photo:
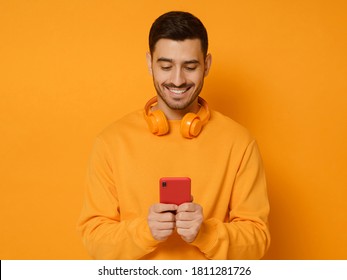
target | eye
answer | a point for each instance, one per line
(190, 68)
(166, 68)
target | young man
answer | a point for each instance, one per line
(176, 135)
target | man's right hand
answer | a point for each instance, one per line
(161, 220)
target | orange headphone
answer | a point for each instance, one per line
(191, 124)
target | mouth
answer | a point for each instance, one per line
(178, 90)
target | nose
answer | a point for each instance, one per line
(178, 77)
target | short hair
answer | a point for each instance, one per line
(178, 26)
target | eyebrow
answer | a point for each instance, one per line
(163, 59)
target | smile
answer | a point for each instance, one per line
(178, 90)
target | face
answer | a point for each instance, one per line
(178, 69)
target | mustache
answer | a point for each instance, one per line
(185, 85)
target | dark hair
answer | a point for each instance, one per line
(178, 26)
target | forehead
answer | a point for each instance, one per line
(178, 50)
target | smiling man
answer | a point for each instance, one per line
(176, 135)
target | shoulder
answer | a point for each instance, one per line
(129, 123)
(227, 127)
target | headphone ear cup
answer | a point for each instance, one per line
(191, 125)
(157, 123)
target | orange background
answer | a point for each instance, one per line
(68, 68)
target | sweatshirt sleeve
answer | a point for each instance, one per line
(246, 234)
(103, 234)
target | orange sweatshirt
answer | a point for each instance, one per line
(227, 177)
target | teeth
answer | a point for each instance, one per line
(178, 91)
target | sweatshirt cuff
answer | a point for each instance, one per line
(207, 236)
(143, 236)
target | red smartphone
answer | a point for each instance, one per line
(175, 190)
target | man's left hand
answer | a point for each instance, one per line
(189, 217)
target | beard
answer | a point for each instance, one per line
(177, 103)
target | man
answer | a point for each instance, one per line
(176, 135)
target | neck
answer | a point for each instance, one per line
(176, 114)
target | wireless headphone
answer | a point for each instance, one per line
(191, 124)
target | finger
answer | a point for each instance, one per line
(187, 235)
(185, 216)
(162, 217)
(166, 217)
(183, 224)
(164, 226)
(187, 207)
(162, 207)
(162, 235)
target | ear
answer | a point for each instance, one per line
(149, 63)
(208, 62)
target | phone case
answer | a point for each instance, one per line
(175, 190)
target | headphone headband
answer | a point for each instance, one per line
(191, 123)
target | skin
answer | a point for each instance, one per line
(178, 69)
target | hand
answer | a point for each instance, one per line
(161, 221)
(189, 217)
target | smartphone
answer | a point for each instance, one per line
(175, 190)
